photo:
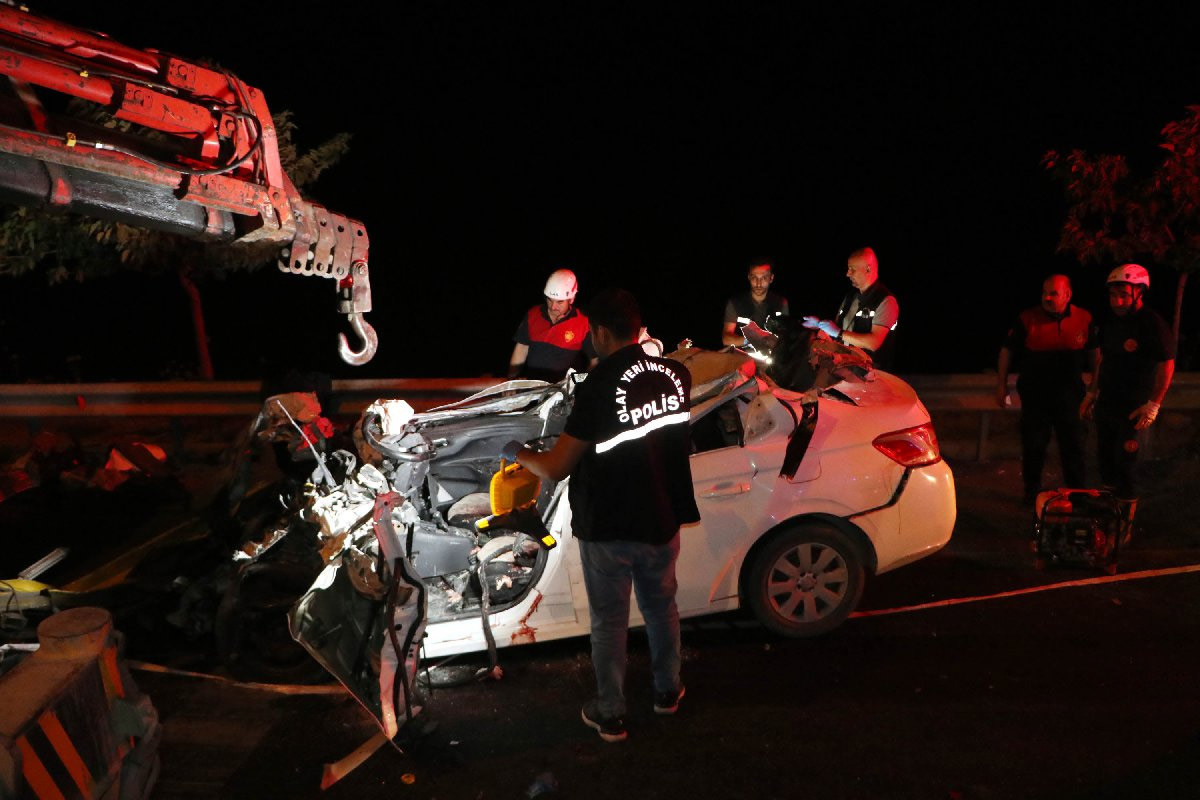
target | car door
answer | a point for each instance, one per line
(738, 445)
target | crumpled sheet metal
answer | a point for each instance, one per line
(714, 373)
(338, 511)
(400, 651)
(804, 363)
(393, 415)
(500, 392)
(830, 357)
(799, 441)
(515, 395)
(395, 430)
(295, 419)
(302, 406)
(341, 514)
(362, 569)
(326, 619)
(254, 548)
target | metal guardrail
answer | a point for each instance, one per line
(211, 398)
(35, 403)
(241, 398)
(975, 394)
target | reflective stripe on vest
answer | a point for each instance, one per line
(643, 430)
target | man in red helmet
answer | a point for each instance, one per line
(553, 336)
(1137, 362)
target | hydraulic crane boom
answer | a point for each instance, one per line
(201, 157)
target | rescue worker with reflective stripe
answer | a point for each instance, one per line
(759, 305)
(1052, 344)
(869, 313)
(553, 336)
(1137, 362)
(625, 447)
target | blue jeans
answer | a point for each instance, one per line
(609, 569)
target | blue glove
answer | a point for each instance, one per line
(823, 325)
(830, 329)
(509, 453)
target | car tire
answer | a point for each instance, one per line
(805, 581)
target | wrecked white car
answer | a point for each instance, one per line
(803, 492)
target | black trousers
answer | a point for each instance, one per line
(1118, 446)
(1041, 418)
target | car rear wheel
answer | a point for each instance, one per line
(805, 581)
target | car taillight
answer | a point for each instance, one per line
(911, 447)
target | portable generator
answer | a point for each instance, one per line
(1077, 527)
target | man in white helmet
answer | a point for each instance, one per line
(1137, 362)
(554, 336)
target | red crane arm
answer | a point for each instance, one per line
(204, 161)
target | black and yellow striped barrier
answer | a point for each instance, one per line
(72, 722)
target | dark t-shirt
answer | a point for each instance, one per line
(1132, 347)
(743, 305)
(1050, 350)
(635, 482)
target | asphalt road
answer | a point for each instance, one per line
(968, 675)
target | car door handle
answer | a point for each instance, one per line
(727, 489)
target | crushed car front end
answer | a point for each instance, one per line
(401, 550)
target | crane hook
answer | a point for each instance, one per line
(368, 336)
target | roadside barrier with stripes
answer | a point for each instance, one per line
(73, 723)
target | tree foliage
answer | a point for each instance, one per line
(64, 247)
(1115, 214)
(305, 167)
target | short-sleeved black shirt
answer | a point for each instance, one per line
(635, 482)
(1131, 348)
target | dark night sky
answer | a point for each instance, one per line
(660, 147)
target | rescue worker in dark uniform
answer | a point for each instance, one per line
(1052, 345)
(1137, 362)
(626, 449)
(868, 315)
(759, 305)
(553, 336)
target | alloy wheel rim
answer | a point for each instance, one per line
(808, 582)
